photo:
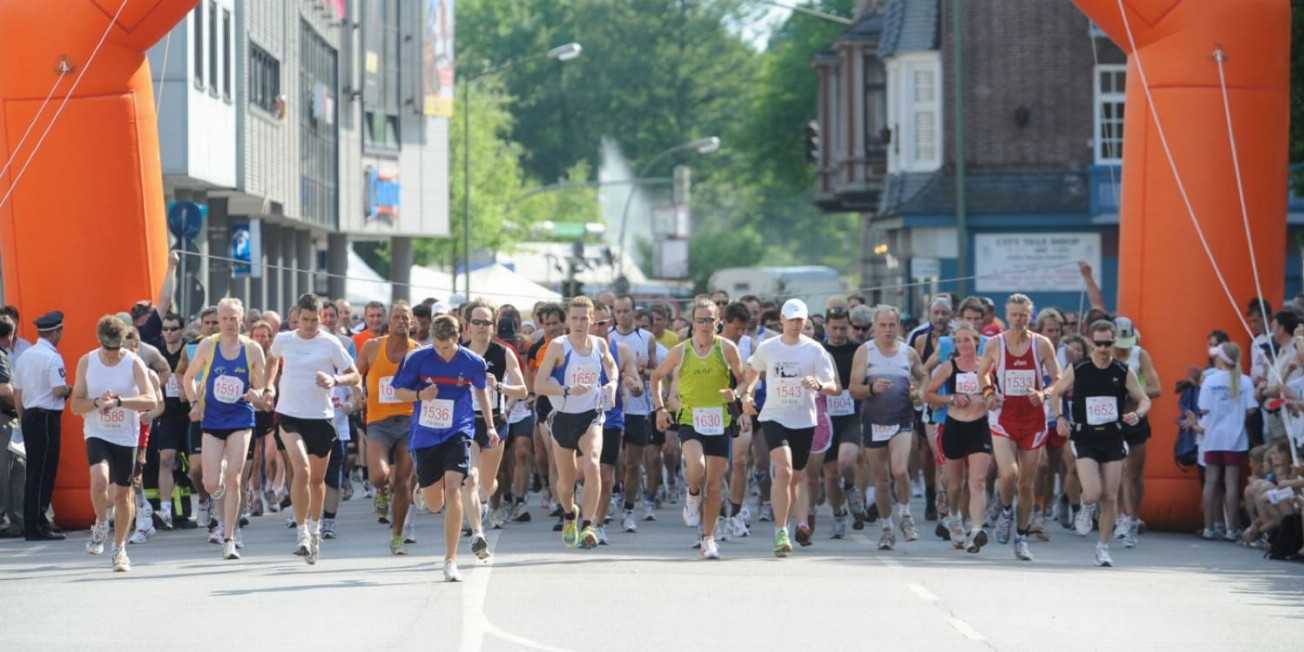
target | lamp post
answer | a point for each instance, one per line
(561, 53)
(701, 146)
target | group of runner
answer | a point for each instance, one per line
(604, 406)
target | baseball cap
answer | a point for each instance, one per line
(1124, 333)
(440, 308)
(794, 309)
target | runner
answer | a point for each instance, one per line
(1127, 350)
(886, 374)
(1099, 386)
(552, 318)
(736, 318)
(267, 470)
(795, 367)
(925, 455)
(844, 418)
(579, 375)
(504, 380)
(206, 518)
(314, 363)
(440, 382)
(170, 433)
(111, 390)
(613, 427)
(389, 422)
(706, 377)
(1019, 362)
(374, 318)
(231, 370)
(640, 453)
(966, 439)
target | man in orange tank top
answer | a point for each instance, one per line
(1011, 379)
(388, 422)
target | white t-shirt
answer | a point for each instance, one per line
(1224, 423)
(299, 395)
(784, 365)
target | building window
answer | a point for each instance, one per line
(226, 54)
(212, 48)
(264, 79)
(917, 114)
(318, 150)
(1111, 94)
(875, 105)
(382, 43)
(197, 17)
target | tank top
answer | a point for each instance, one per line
(576, 369)
(893, 407)
(636, 340)
(381, 403)
(1018, 376)
(1134, 363)
(700, 380)
(1098, 396)
(615, 419)
(174, 403)
(495, 359)
(119, 425)
(225, 384)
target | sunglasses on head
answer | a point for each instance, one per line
(1103, 343)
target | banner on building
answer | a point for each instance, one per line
(437, 58)
(1033, 262)
(382, 193)
(246, 249)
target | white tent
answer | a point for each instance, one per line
(501, 285)
(363, 283)
(494, 282)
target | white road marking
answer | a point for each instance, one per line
(964, 628)
(923, 593)
(474, 622)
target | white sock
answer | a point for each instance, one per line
(303, 529)
(870, 494)
(887, 523)
(957, 518)
(166, 507)
(314, 526)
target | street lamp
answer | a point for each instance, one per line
(561, 53)
(701, 146)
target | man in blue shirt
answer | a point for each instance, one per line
(439, 381)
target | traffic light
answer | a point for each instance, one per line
(813, 142)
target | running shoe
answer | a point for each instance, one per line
(958, 538)
(451, 574)
(709, 549)
(803, 535)
(380, 504)
(99, 532)
(887, 540)
(855, 502)
(121, 563)
(628, 523)
(1120, 526)
(839, 527)
(205, 510)
(871, 513)
(479, 546)
(239, 538)
(975, 541)
(396, 546)
(302, 544)
(782, 546)
(943, 531)
(746, 515)
(908, 529)
(692, 510)
(589, 538)
(649, 510)
(520, 514)
(1004, 523)
(1082, 522)
(1102, 556)
(409, 531)
(545, 498)
(1021, 551)
(139, 536)
(328, 528)
(739, 526)
(164, 520)
(569, 533)
(1130, 540)
(314, 548)
(767, 512)
(602, 535)
(217, 535)
(228, 550)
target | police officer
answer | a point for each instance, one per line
(40, 389)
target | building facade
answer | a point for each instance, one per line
(294, 127)
(1042, 100)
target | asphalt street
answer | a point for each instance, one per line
(646, 591)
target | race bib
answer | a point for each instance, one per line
(519, 411)
(475, 400)
(840, 405)
(708, 420)
(114, 421)
(1101, 410)
(883, 433)
(1020, 382)
(386, 387)
(437, 414)
(335, 402)
(789, 392)
(582, 376)
(173, 387)
(966, 382)
(228, 389)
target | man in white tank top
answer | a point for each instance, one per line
(1127, 350)
(111, 391)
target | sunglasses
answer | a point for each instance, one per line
(602, 322)
(167, 329)
(704, 320)
(859, 328)
(1103, 344)
(481, 322)
(722, 303)
(1071, 323)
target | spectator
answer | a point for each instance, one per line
(1226, 398)
(40, 390)
(13, 468)
(17, 344)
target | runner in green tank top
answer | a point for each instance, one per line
(705, 367)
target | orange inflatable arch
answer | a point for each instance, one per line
(1166, 282)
